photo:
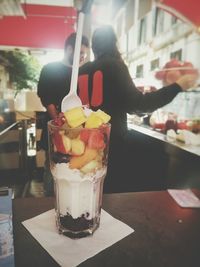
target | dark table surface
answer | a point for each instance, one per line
(166, 235)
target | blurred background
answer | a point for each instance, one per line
(150, 33)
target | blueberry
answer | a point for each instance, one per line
(58, 157)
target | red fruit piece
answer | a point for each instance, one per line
(172, 76)
(84, 135)
(182, 125)
(173, 63)
(60, 120)
(96, 139)
(160, 75)
(188, 65)
(58, 142)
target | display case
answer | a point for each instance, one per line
(186, 105)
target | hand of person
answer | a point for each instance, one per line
(187, 81)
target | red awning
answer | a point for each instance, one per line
(186, 10)
(42, 27)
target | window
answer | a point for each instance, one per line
(155, 64)
(174, 20)
(158, 21)
(139, 71)
(142, 31)
(176, 54)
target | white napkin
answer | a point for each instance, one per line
(71, 252)
(185, 198)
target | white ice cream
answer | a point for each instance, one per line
(78, 193)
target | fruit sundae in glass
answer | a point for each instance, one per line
(78, 150)
(173, 70)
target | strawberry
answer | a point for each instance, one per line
(96, 139)
(58, 142)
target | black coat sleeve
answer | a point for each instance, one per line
(132, 100)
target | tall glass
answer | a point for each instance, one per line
(78, 162)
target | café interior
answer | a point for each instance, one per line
(151, 34)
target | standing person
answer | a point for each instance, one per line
(106, 84)
(53, 85)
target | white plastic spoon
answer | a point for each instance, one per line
(72, 100)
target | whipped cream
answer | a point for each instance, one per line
(78, 193)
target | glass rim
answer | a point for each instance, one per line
(50, 124)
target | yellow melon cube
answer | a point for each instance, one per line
(77, 147)
(103, 116)
(93, 121)
(75, 117)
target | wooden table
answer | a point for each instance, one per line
(166, 235)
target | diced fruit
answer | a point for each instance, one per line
(91, 166)
(62, 132)
(159, 125)
(58, 143)
(173, 63)
(67, 143)
(77, 147)
(75, 117)
(103, 116)
(172, 76)
(160, 75)
(93, 121)
(190, 70)
(73, 134)
(84, 135)
(174, 69)
(77, 162)
(60, 120)
(96, 139)
(182, 125)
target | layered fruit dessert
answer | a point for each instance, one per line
(173, 70)
(78, 155)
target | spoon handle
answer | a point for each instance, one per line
(76, 59)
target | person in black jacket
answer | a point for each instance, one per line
(53, 85)
(106, 84)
